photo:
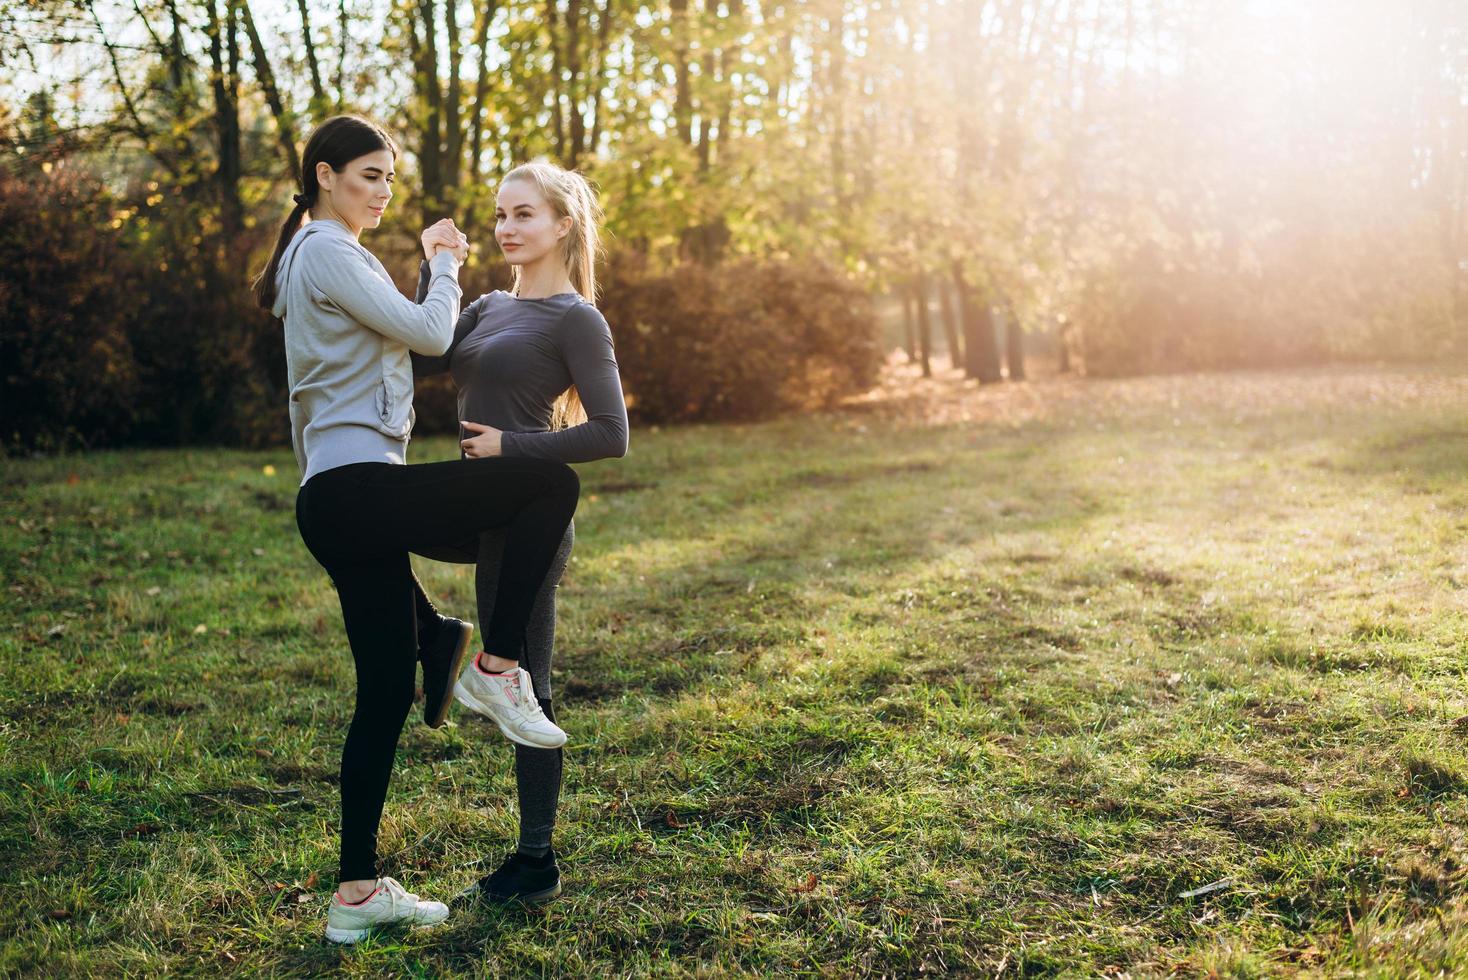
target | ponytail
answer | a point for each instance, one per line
(264, 284)
(584, 239)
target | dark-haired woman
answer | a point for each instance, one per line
(360, 510)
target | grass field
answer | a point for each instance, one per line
(952, 681)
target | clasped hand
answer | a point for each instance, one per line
(443, 236)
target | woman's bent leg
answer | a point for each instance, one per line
(435, 504)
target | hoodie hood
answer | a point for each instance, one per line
(287, 258)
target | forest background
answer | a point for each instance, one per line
(792, 188)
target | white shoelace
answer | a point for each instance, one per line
(525, 698)
(396, 891)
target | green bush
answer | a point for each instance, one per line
(740, 341)
(128, 319)
(67, 372)
(124, 322)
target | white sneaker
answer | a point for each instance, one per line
(508, 700)
(389, 905)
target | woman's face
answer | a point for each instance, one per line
(525, 224)
(359, 194)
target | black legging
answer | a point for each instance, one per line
(360, 521)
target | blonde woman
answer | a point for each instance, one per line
(536, 377)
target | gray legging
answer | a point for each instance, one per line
(537, 771)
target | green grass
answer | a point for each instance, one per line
(879, 692)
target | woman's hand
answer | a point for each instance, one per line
(443, 236)
(486, 443)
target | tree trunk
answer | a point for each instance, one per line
(1014, 344)
(424, 52)
(318, 94)
(558, 121)
(284, 128)
(481, 89)
(837, 97)
(574, 84)
(224, 64)
(683, 92)
(981, 347)
(599, 77)
(341, 60)
(924, 324)
(950, 325)
(453, 152)
(909, 326)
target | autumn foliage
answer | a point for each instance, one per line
(130, 323)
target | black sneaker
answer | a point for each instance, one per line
(523, 879)
(442, 659)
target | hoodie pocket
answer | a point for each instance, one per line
(384, 402)
(395, 394)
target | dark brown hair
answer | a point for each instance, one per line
(336, 142)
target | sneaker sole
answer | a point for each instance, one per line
(466, 639)
(349, 936)
(346, 936)
(536, 898)
(473, 706)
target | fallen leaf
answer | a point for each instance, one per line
(312, 879)
(154, 590)
(1208, 889)
(58, 914)
(268, 470)
(142, 830)
(72, 479)
(200, 629)
(56, 631)
(809, 885)
(672, 820)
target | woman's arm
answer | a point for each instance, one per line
(425, 366)
(339, 273)
(585, 342)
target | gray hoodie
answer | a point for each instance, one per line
(348, 333)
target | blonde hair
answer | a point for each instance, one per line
(570, 195)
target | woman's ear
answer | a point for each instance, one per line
(563, 228)
(324, 175)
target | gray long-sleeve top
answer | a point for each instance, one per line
(348, 332)
(512, 358)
